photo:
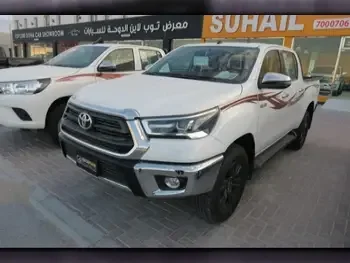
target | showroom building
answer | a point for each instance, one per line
(321, 41)
(50, 35)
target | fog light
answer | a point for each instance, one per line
(172, 182)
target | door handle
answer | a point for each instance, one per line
(263, 105)
(301, 90)
(285, 95)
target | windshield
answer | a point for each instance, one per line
(211, 63)
(77, 57)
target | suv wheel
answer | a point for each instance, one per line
(301, 133)
(53, 121)
(218, 205)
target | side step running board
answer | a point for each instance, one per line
(270, 152)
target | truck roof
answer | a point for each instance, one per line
(239, 44)
(118, 45)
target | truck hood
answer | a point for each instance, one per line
(35, 72)
(158, 96)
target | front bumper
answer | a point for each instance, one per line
(23, 111)
(142, 178)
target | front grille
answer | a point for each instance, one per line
(108, 132)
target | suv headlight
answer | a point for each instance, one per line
(190, 127)
(24, 87)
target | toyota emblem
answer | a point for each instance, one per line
(84, 120)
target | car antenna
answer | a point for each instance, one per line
(99, 41)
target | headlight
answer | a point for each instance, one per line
(190, 127)
(24, 87)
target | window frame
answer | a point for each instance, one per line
(295, 64)
(17, 24)
(280, 60)
(58, 19)
(47, 20)
(119, 49)
(159, 55)
(36, 22)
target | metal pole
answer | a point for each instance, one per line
(338, 59)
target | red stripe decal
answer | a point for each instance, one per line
(98, 75)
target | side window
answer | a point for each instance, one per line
(123, 59)
(149, 57)
(271, 63)
(290, 64)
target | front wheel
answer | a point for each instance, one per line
(301, 133)
(218, 205)
(53, 121)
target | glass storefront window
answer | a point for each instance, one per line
(229, 40)
(132, 42)
(318, 55)
(63, 46)
(343, 70)
(271, 40)
(154, 43)
(40, 50)
(180, 42)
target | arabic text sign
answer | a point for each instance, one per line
(127, 30)
(137, 28)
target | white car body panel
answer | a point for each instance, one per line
(242, 108)
(64, 83)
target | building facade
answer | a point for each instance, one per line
(34, 21)
(48, 35)
(321, 41)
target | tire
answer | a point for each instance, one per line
(301, 133)
(234, 170)
(53, 121)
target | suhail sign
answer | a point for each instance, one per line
(137, 28)
(254, 23)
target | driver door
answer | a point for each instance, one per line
(124, 61)
(274, 111)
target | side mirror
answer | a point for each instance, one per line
(148, 66)
(106, 66)
(275, 81)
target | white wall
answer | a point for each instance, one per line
(65, 19)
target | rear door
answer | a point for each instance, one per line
(123, 59)
(274, 112)
(296, 90)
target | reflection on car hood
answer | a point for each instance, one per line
(35, 72)
(158, 96)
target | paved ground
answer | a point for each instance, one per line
(299, 199)
(21, 222)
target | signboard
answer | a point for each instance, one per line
(262, 26)
(137, 28)
(346, 43)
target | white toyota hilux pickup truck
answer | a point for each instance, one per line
(196, 123)
(35, 97)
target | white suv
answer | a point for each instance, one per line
(195, 124)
